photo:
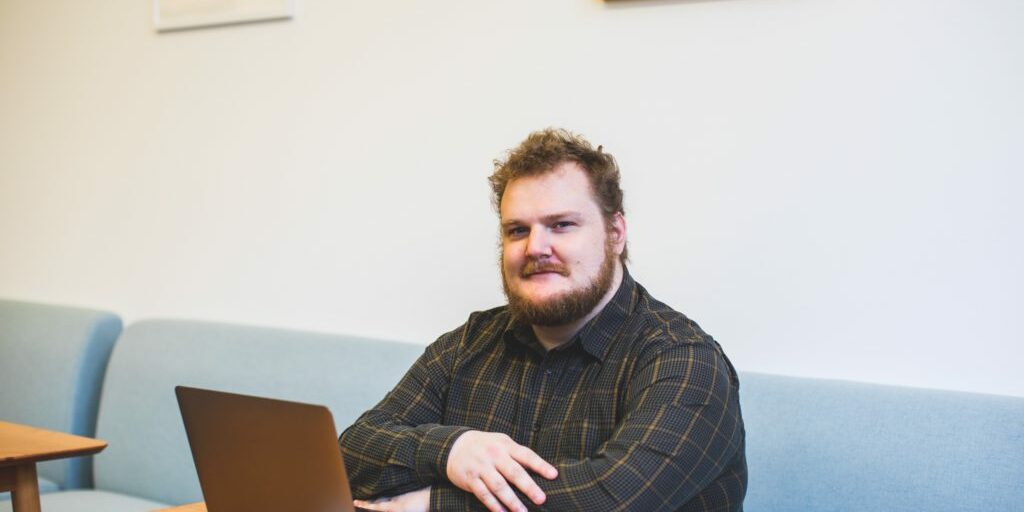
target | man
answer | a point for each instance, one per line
(583, 393)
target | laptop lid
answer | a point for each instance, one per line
(257, 454)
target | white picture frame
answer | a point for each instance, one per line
(171, 15)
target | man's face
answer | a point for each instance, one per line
(558, 259)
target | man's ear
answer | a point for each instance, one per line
(617, 231)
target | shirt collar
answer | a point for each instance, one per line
(596, 336)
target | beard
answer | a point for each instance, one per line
(563, 308)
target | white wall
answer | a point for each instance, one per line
(828, 187)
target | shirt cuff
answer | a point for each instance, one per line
(432, 454)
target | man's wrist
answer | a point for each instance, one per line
(432, 454)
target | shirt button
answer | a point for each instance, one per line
(547, 372)
(536, 427)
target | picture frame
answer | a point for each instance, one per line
(171, 15)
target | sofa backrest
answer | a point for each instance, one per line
(52, 360)
(149, 455)
(835, 446)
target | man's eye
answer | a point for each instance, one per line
(562, 225)
(516, 232)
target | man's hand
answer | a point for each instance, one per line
(485, 463)
(414, 501)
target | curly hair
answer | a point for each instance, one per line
(544, 150)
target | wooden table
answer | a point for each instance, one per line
(21, 447)
(195, 507)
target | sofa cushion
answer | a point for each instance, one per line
(91, 501)
(834, 446)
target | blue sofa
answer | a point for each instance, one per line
(812, 444)
(833, 446)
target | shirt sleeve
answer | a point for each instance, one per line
(680, 430)
(399, 445)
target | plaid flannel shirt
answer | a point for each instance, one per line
(639, 412)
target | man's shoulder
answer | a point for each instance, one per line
(481, 326)
(497, 312)
(666, 332)
(657, 319)
(494, 320)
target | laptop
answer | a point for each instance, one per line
(257, 454)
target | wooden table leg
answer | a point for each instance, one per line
(6, 478)
(25, 493)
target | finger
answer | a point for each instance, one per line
(500, 489)
(517, 476)
(483, 494)
(369, 505)
(529, 459)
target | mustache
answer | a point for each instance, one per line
(537, 266)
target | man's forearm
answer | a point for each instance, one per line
(649, 465)
(399, 445)
(383, 456)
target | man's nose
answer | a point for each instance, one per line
(538, 244)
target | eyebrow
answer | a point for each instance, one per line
(548, 219)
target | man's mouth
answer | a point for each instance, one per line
(532, 269)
